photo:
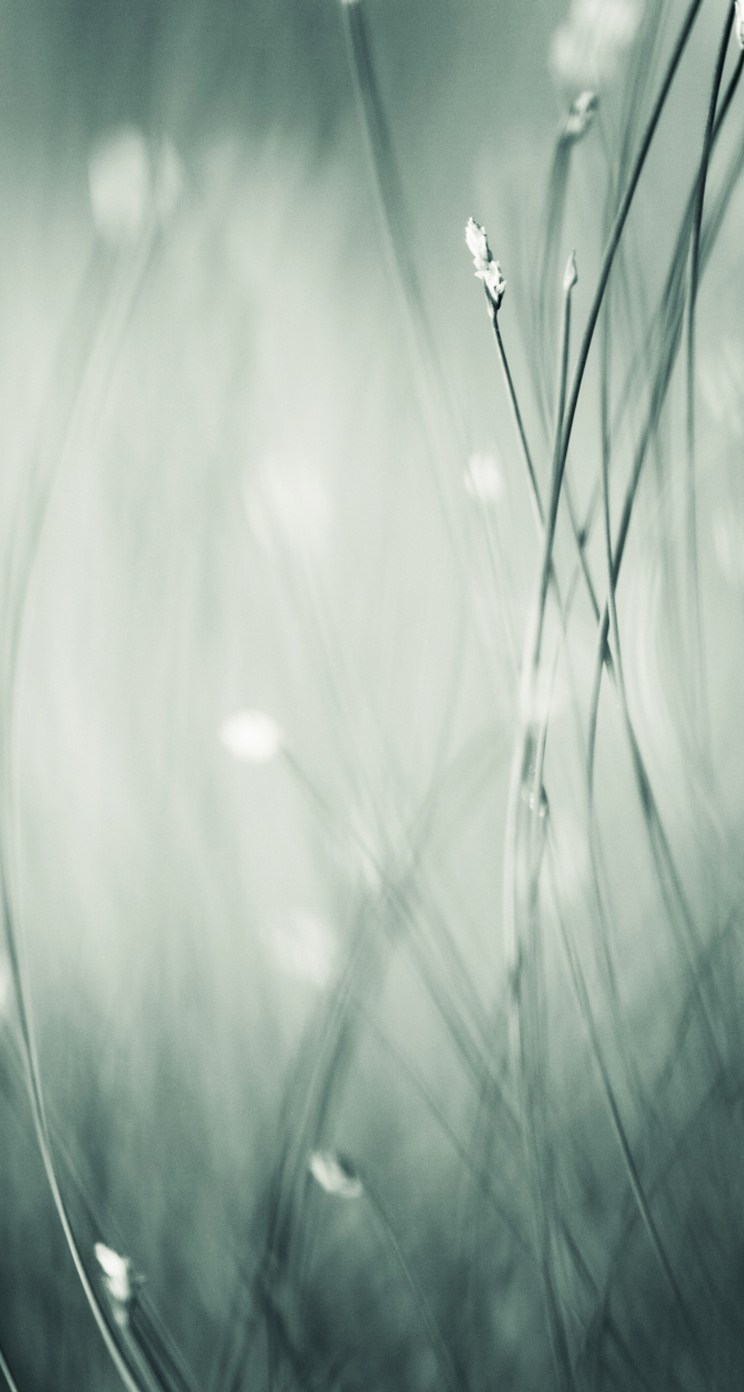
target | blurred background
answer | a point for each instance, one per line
(267, 556)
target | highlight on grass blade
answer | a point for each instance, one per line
(588, 48)
(483, 478)
(6, 989)
(571, 274)
(252, 736)
(303, 946)
(728, 546)
(119, 185)
(289, 507)
(129, 183)
(721, 378)
(335, 1174)
(117, 1280)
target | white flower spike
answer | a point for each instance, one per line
(335, 1174)
(477, 241)
(486, 269)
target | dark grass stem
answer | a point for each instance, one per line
(526, 817)
(696, 646)
(660, 327)
(553, 220)
(583, 1002)
(526, 749)
(678, 910)
(677, 907)
(535, 498)
(478, 1173)
(450, 1376)
(674, 1151)
(611, 250)
(667, 328)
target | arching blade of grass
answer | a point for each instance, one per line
(533, 646)
(678, 909)
(443, 430)
(526, 750)
(122, 1360)
(393, 214)
(697, 649)
(549, 267)
(8, 1376)
(92, 388)
(675, 898)
(79, 1183)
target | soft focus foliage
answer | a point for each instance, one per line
(346, 809)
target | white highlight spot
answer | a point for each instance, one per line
(728, 542)
(303, 946)
(587, 49)
(252, 736)
(119, 183)
(722, 384)
(288, 504)
(483, 479)
(129, 184)
(6, 988)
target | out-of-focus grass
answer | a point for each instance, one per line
(268, 556)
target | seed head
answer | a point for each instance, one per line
(570, 275)
(486, 269)
(335, 1174)
(494, 282)
(739, 22)
(477, 241)
(118, 1281)
(580, 116)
